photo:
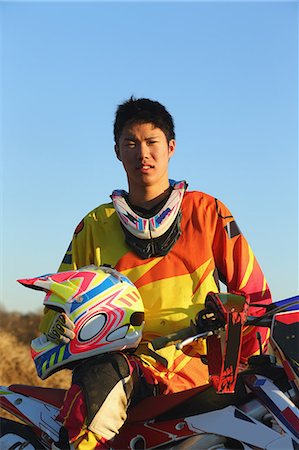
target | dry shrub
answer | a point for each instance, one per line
(16, 333)
(23, 326)
(17, 367)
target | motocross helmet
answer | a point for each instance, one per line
(107, 311)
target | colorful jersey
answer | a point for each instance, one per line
(174, 287)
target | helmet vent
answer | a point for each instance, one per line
(137, 318)
(92, 327)
(120, 333)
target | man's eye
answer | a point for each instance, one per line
(131, 144)
(151, 142)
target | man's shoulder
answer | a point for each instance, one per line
(95, 219)
(100, 213)
(202, 202)
(199, 196)
(101, 208)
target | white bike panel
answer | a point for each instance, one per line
(225, 423)
(40, 414)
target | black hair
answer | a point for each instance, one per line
(143, 110)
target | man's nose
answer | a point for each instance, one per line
(143, 150)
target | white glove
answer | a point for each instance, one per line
(61, 329)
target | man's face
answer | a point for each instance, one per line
(145, 153)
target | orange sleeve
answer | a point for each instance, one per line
(240, 271)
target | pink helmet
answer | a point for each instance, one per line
(107, 311)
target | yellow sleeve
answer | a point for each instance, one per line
(82, 250)
(94, 239)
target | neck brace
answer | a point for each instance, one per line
(156, 235)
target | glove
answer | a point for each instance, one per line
(218, 306)
(57, 327)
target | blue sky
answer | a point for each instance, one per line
(226, 71)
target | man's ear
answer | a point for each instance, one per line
(171, 148)
(117, 152)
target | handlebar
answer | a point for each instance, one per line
(186, 336)
(172, 338)
(209, 324)
(181, 338)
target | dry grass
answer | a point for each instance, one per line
(16, 332)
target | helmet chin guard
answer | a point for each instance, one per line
(156, 235)
(107, 311)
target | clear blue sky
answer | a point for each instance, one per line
(227, 72)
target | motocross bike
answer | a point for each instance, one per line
(255, 408)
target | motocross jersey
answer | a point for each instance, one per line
(174, 287)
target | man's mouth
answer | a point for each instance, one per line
(145, 167)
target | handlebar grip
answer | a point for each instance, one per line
(170, 339)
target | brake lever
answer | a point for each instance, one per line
(191, 339)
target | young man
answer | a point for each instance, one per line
(174, 245)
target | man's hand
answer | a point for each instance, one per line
(61, 330)
(57, 327)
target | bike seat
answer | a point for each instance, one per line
(192, 401)
(51, 396)
(152, 407)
